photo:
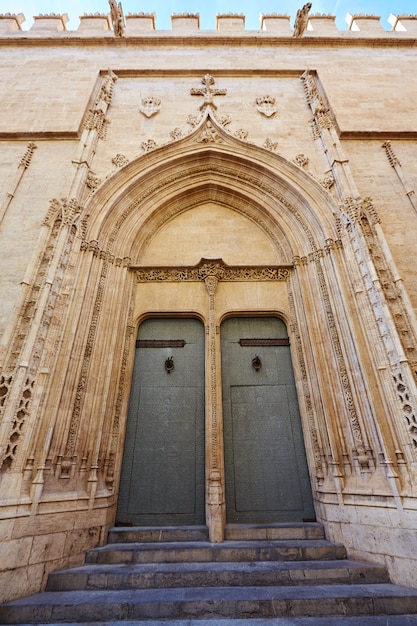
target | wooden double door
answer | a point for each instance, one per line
(163, 473)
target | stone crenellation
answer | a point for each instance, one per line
(275, 24)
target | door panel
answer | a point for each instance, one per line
(266, 470)
(162, 479)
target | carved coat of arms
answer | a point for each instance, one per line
(150, 106)
(266, 105)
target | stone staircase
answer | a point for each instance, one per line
(284, 574)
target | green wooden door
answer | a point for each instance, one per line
(266, 469)
(162, 480)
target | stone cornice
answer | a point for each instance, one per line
(198, 38)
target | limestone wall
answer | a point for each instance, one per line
(117, 149)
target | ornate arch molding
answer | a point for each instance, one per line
(285, 201)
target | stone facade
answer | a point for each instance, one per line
(201, 173)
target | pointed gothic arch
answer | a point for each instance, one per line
(288, 209)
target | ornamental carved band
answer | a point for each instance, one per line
(218, 269)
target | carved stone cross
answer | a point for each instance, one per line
(208, 91)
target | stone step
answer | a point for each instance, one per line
(233, 532)
(175, 552)
(368, 620)
(148, 534)
(213, 603)
(215, 574)
(283, 532)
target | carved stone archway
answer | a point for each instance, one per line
(87, 393)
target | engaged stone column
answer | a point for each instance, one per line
(215, 496)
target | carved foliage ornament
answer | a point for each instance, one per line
(27, 157)
(96, 121)
(148, 145)
(120, 160)
(216, 268)
(209, 135)
(271, 145)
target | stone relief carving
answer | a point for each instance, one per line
(328, 182)
(218, 269)
(357, 215)
(389, 151)
(271, 145)
(301, 160)
(120, 160)
(107, 88)
(105, 255)
(209, 134)
(324, 118)
(148, 145)
(176, 133)
(301, 20)
(63, 209)
(315, 130)
(224, 120)
(266, 105)
(61, 215)
(395, 163)
(193, 120)
(409, 412)
(322, 115)
(150, 106)
(317, 451)
(394, 300)
(27, 157)
(115, 428)
(96, 120)
(93, 181)
(208, 91)
(241, 134)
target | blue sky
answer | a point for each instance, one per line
(208, 10)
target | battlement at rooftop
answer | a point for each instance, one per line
(271, 24)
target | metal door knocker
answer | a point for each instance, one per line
(256, 363)
(169, 364)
